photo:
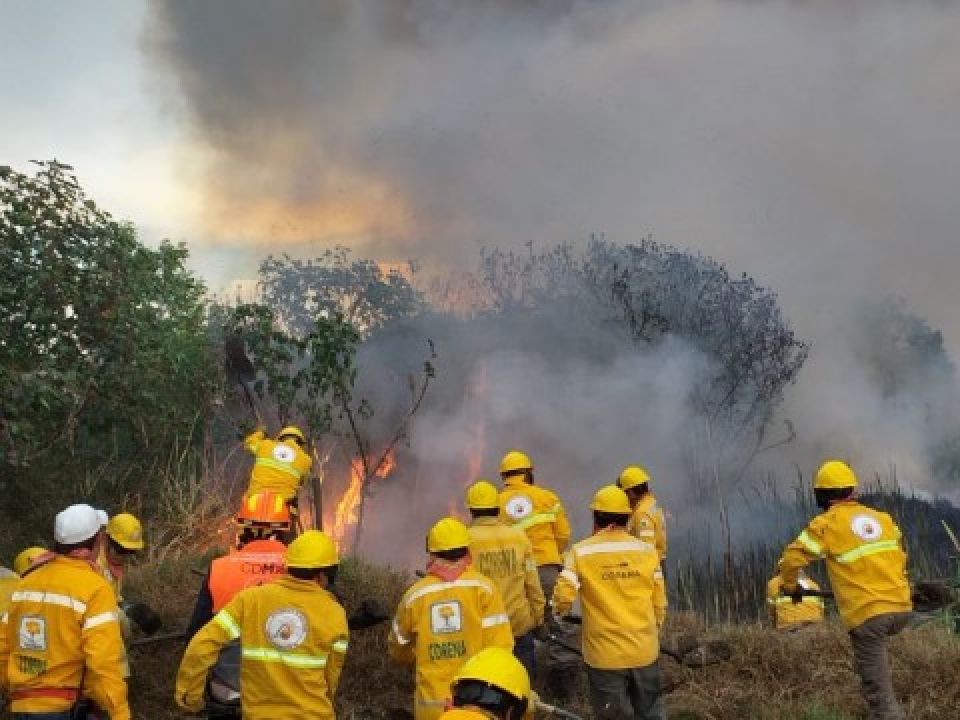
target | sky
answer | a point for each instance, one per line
(812, 145)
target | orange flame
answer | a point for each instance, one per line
(346, 515)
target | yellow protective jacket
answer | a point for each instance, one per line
(621, 589)
(648, 523)
(61, 631)
(439, 625)
(866, 563)
(293, 639)
(538, 512)
(504, 554)
(8, 581)
(278, 467)
(785, 613)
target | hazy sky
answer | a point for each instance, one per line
(812, 144)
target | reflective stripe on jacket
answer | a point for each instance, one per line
(279, 466)
(785, 613)
(439, 625)
(648, 523)
(59, 631)
(256, 563)
(504, 555)
(538, 512)
(621, 589)
(866, 563)
(293, 638)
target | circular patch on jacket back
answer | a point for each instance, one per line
(519, 506)
(866, 527)
(286, 628)
(284, 453)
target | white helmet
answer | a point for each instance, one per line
(76, 524)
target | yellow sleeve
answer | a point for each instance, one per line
(103, 650)
(568, 583)
(659, 597)
(531, 584)
(202, 653)
(661, 536)
(773, 593)
(402, 641)
(252, 441)
(801, 552)
(338, 654)
(4, 649)
(494, 619)
(561, 527)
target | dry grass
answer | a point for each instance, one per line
(806, 676)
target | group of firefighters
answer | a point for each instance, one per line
(269, 637)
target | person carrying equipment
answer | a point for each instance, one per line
(504, 555)
(647, 522)
(620, 585)
(491, 684)
(446, 617)
(538, 511)
(866, 565)
(790, 616)
(280, 464)
(60, 634)
(293, 638)
(259, 557)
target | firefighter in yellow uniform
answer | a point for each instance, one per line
(620, 585)
(446, 617)
(504, 555)
(866, 565)
(293, 638)
(491, 684)
(790, 616)
(647, 522)
(538, 511)
(60, 635)
(280, 465)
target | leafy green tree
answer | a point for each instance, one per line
(103, 352)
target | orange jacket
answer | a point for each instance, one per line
(539, 512)
(256, 563)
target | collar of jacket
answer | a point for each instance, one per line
(446, 570)
(292, 583)
(80, 557)
(613, 530)
(515, 481)
(486, 521)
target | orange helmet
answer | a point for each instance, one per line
(264, 509)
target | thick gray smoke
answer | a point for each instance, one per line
(812, 145)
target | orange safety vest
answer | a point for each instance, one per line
(256, 563)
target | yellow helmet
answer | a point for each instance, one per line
(294, 432)
(834, 474)
(313, 549)
(515, 460)
(125, 530)
(482, 495)
(611, 499)
(25, 558)
(631, 476)
(497, 667)
(447, 534)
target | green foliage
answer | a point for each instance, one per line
(101, 345)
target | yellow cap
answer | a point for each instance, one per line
(447, 534)
(515, 460)
(125, 530)
(611, 499)
(834, 474)
(633, 475)
(313, 549)
(23, 561)
(482, 495)
(497, 667)
(293, 431)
